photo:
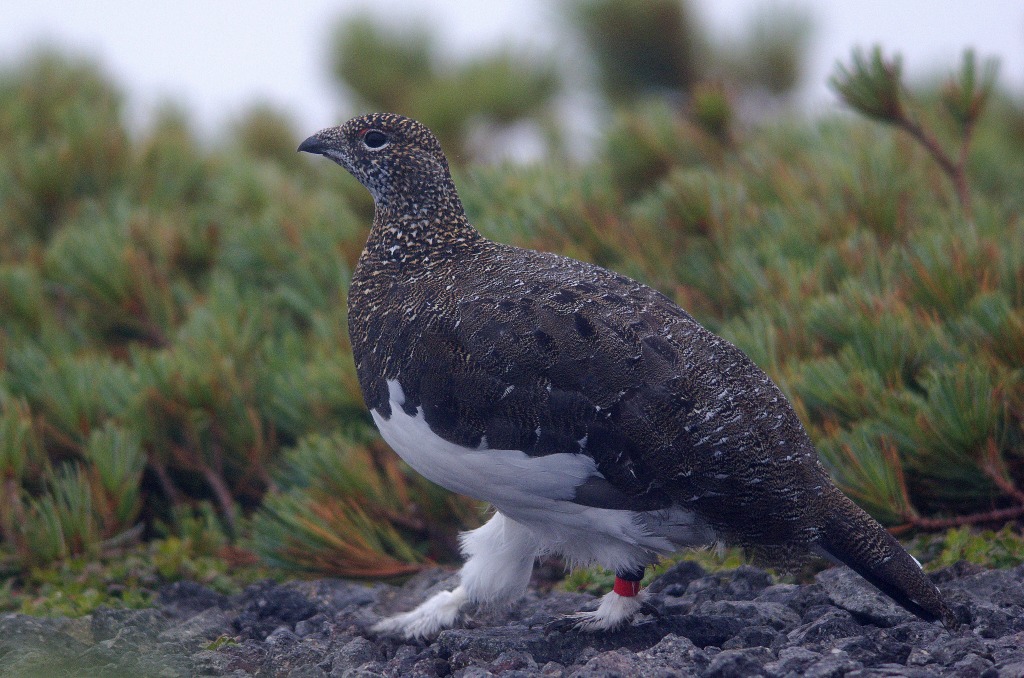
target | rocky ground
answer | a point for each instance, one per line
(734, 623)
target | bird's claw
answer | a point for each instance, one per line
(647, 608)
(563, 624)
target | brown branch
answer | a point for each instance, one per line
(171, 491)
(996, 471)
(994, 516)
(223, 495)
(955, 170)
(12, 518)
(891, 455)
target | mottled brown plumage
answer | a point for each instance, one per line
(503, 348)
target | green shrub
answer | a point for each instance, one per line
(173, 324)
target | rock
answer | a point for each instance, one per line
(353, 654)
(873, 649)
(993, 601)
(721, 624)
(513, 660)
(705, 630)
(753, 636)
(832, 665)
(739, 663)
(779, 593)
(1013, 669)
(675, 580)
(971, 665)
(187, 598)
(852, 593)
(1008, 647)
(266, 607)
(792, 661)
(775, 615)
(946, 650)
(207, 625)
(677, 654)
(825, 630)
(606, 664)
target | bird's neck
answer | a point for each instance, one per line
(430, 225)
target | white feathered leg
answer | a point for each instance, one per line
(614, 611)
(499, 560)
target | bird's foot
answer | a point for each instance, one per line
(614, 612)
(441, 611)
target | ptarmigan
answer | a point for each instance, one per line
(600, 420)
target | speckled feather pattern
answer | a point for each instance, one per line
(542, 353)
(509, 348)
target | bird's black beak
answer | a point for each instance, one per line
(313, 144)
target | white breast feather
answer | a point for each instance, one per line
(538, 492)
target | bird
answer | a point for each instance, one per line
(601, 421)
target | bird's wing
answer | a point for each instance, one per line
(578, 359)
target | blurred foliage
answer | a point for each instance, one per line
(404, 71)
(192, 546)
(173, 329)
(643, 48)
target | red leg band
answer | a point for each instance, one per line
(625, 587)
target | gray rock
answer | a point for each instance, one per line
(676, 653)
(971, 665)
(946, 650)
(775, 615)
(208, 625)
(779, 593)
(675, 581)
(353, 654)
(513, 660)
(852, 593)
(753, 636)
(609, 664)
(739, 663)
(553, 670)
(832, 665)
(266, 607)
(1008, 647)
(890, 670)
(1013, 669)
(187, 598)
(825, 630)
(873, 649)
(792, 661)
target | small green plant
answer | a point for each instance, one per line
(598, 581)
(222, 641)
(193, 546)
(989, 548)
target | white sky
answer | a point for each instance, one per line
(218, 56)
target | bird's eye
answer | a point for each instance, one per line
(375, 139)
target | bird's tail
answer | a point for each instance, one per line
(850, 535)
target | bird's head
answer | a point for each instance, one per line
(396, 158)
